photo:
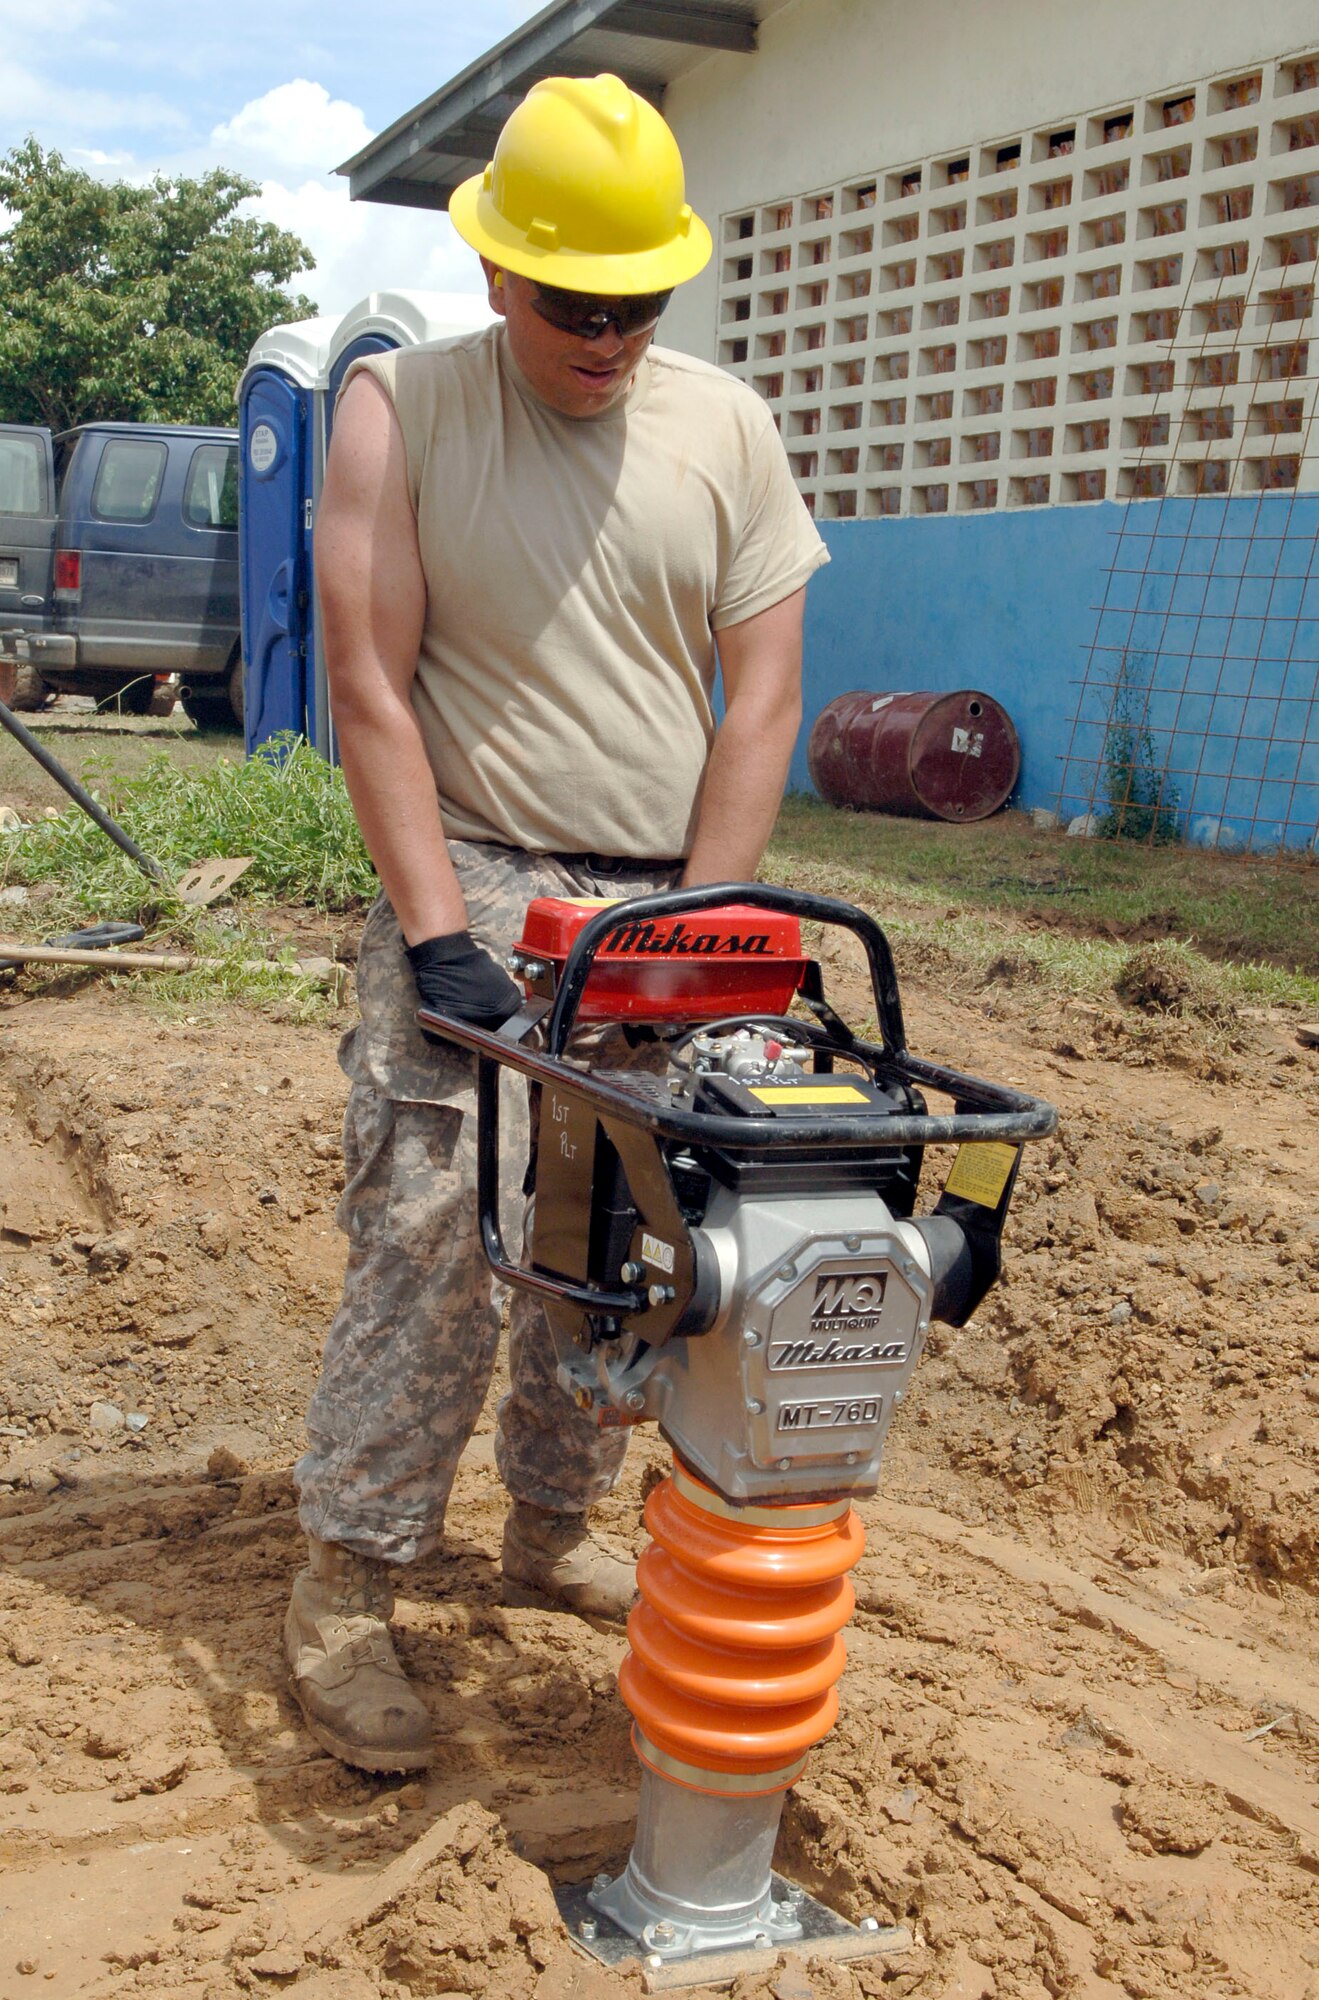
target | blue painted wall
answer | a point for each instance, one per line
(1207, 610)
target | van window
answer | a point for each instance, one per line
(128, 480)
(21, 481)
(210, 497)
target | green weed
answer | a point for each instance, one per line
(1142, 800)
(285, 806)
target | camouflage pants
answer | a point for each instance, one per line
(411, 1349)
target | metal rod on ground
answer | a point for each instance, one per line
(52, 766)
(156, 961)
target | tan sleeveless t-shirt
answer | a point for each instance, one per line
(577, 571)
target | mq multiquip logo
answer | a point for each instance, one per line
(845, 1302)
(848, 1299)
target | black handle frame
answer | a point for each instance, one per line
(984, 1111)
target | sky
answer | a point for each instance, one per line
(279, 90)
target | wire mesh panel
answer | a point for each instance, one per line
(1197, 711)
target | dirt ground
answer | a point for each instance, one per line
(1079, 1744)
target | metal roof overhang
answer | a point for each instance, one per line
(424, 155)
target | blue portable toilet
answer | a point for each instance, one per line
(281, 398)
(383, 320)
(379, 322)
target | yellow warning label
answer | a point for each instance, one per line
(822, 1093)
(980, 1172)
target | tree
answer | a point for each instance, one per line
(132, 302)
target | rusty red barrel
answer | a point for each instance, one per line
(927, 756)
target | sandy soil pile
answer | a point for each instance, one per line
(1079, 1750)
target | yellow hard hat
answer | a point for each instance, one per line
(585, 191)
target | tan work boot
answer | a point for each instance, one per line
(554, 1559)
(346, 1677)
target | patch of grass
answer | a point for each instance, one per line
(79, 741)
(239, 968)
(998, 903)
(956, 909)
(285, 806)
(1249, 911)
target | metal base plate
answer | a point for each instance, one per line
(824, 1934)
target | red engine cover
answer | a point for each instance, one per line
(733, 960)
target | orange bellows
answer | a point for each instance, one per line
(736, 1642)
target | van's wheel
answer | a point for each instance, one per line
(217, 704)
(30, 691)
(136, 698)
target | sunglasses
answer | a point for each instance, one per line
(587, 317)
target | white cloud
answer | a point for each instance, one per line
(288, 140)
(296, 124)
(359, 247)
(54, 104)
(362, 247)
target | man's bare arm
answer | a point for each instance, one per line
(760, 661)
(373, 602)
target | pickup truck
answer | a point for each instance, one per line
(119, 565)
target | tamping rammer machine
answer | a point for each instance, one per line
(733, 1246)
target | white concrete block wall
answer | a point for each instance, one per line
(1109, 302)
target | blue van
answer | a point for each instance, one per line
(119, 564)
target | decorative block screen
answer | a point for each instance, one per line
(1117, 305)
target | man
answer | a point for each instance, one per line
(532, 543)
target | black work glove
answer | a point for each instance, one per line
(455, 976)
